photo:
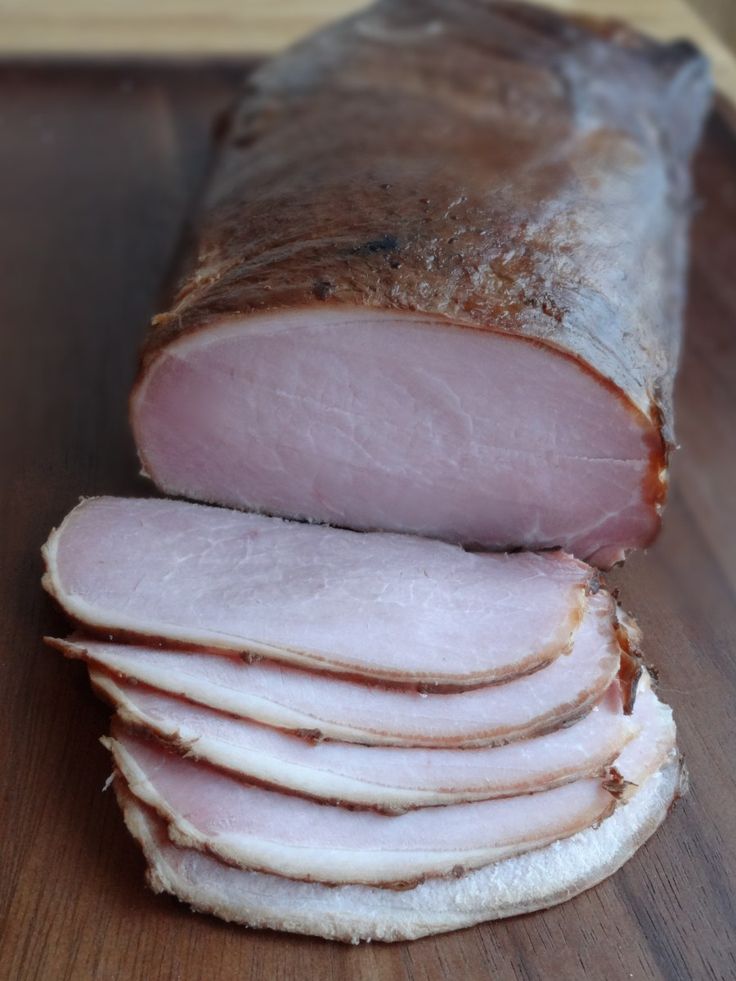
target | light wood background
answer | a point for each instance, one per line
(194, 28)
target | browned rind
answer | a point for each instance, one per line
(631, 664)
(619, 788)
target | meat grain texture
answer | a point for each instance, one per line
(437, 283)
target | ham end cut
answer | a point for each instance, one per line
(437, 283)
(383, 606)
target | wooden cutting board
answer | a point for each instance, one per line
(97, 170)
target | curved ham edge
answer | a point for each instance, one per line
(123, 628)
(522, 884)
(381, 858)
(383, 778)
(390, 720)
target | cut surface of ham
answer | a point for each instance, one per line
(385, 606)
(335, 708)
(385, 778)
(264, 830)
(466, 329)
(353, 913)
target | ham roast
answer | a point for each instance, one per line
(437, 283)
(383, 606)
(321, 706)
(432, 308)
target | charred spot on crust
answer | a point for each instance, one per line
(311, 735)
(249, 657)
(617, 786)
(631, 666)
(323, 289)
(386, 243)
(629, 674)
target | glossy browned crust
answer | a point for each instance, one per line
(490, 164)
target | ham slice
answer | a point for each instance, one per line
(466, 326)
(382, 606)
(331, 707)
(534, 880)
(260, 829)
(380, 777)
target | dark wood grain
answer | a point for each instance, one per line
(97, 171)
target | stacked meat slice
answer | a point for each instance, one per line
(360, 736)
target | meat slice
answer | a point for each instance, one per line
(466, 326)
(335, 708)
(384, 606)
(380, 777)
(260, 829)
(534, 880)
(274, 832)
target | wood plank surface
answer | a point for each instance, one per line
(198, 28)
(97, 169)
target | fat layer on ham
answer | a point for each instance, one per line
(335, 708)
(385, 778)
(256, 828)
(536, 879)
(384, 606)
(465, 327)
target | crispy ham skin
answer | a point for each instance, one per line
(437, 283)
(383, 778)
(322, 706)
(352, 913)
(263, 830)
(381, 606)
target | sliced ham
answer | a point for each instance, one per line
(383, 606)
(260, 829)
(330, 707)
(384, 778)
(352, 913)
(466, 326)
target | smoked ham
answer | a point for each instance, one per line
(391, 607)
(260, 829)
(437, 283)
(432, 309)
(332, 707)
(351, 913)
(380, 777)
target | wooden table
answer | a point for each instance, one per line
(97, 167)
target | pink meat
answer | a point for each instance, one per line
(437, 283)
(386, 422)
(335, 708)
(377, 605)
(536, 879)
(387, 778)
(261, 829)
